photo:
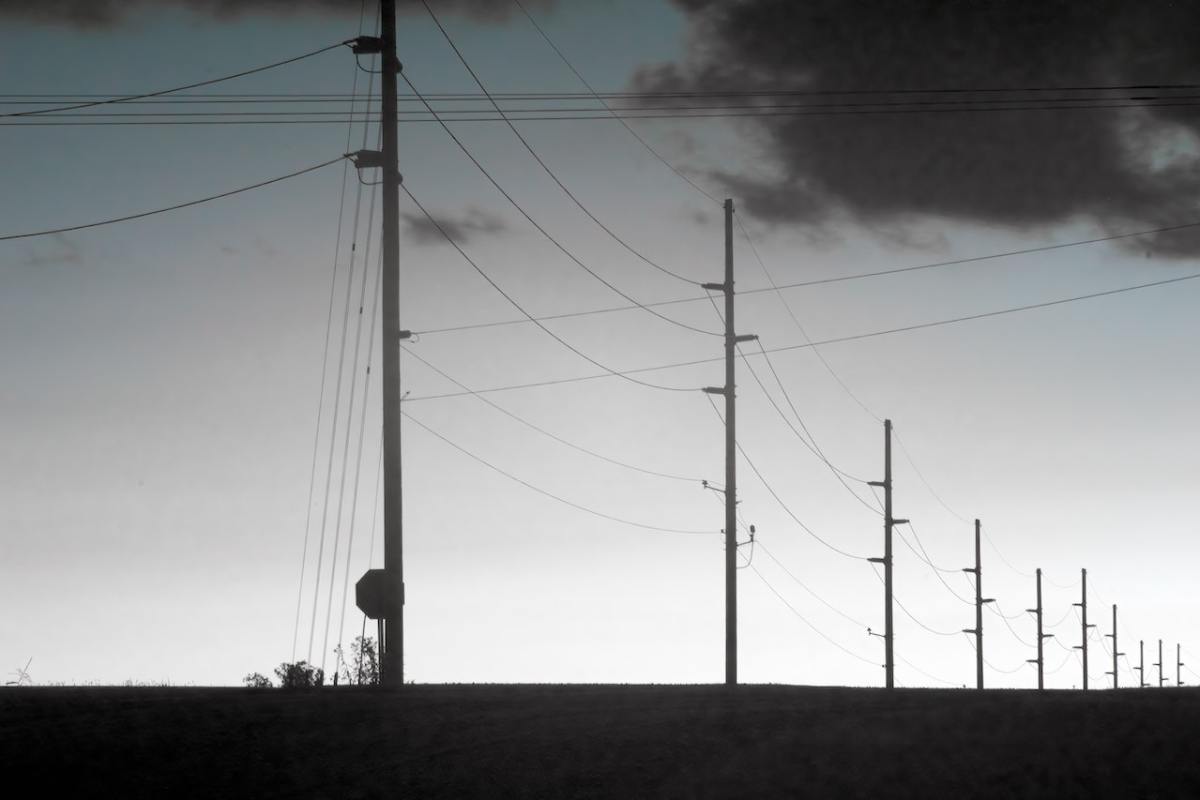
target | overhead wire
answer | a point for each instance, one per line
(674, 111)
(806, 588)
(749, 462)
(548, 236)
(543, 431)
(551, 495)
(604, 103)
(839, 339)
(796, 320)
(908, 613)
(512, 301)
(129, 217)
(337, 249)
(803, 619)
(337, 403)
(920, 671)
(197, 85)
(353, 388)
(876, 274)
(545, 168)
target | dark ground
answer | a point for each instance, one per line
(600, 741)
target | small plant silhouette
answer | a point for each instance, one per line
(22, 674)
(363, 667)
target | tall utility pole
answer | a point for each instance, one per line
(1083, 627)
(1142, 663)
(1178, 664)
(979, 601)
(391, 644)
(731, 342)
(1159, 664)
(889, 522)
(1041, 637)
(1113, 636)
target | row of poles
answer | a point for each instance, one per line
(732, 339)
(393, 597)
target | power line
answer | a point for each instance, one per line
(923, 556)
(545, 432)
(788, 308)
(805, 587)
(778, 499)
(874, 274)
(497, 112)
(337, 249)
(585, 115)
(541, 163)
(197, 85)
(811, 627)
(602, 102)
(210, 198)
(909, 614)
(545, 233)
(852, 337)
(551, 495)
(446, 234)
(931, 677)
(611, 94)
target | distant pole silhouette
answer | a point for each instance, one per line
(979, 601)
(1083, 627)
(889, 522)
(1159, 664)
(1113, 636)
(729, 390)
(1041, 637)
(1142, 664)
(1178, 664)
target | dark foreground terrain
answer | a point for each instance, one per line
(600, 741)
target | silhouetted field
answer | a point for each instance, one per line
(498, 741)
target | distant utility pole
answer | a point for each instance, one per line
(1178, 664)
(889, 522)
(1159, 664)
(979, 601)
(390, 591)
(731, 342)
(1083, 623)
(1041, 637)
(1113, 636)
(1142, 664)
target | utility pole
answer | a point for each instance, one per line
(1159, 664)
(1178, 664)
(1113, 636)
(1142, 664)
(979, 601)
(391, 640)
(889, 522)
(1041, 637)
(1083, 646)
(731, 342)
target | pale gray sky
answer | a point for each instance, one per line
(161, 382)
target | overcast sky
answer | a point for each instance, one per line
(162, 377)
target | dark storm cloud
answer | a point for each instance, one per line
(1126, 168)
(100, 13)
(461, 229)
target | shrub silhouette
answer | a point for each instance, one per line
(300, 675)
(256, 680)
